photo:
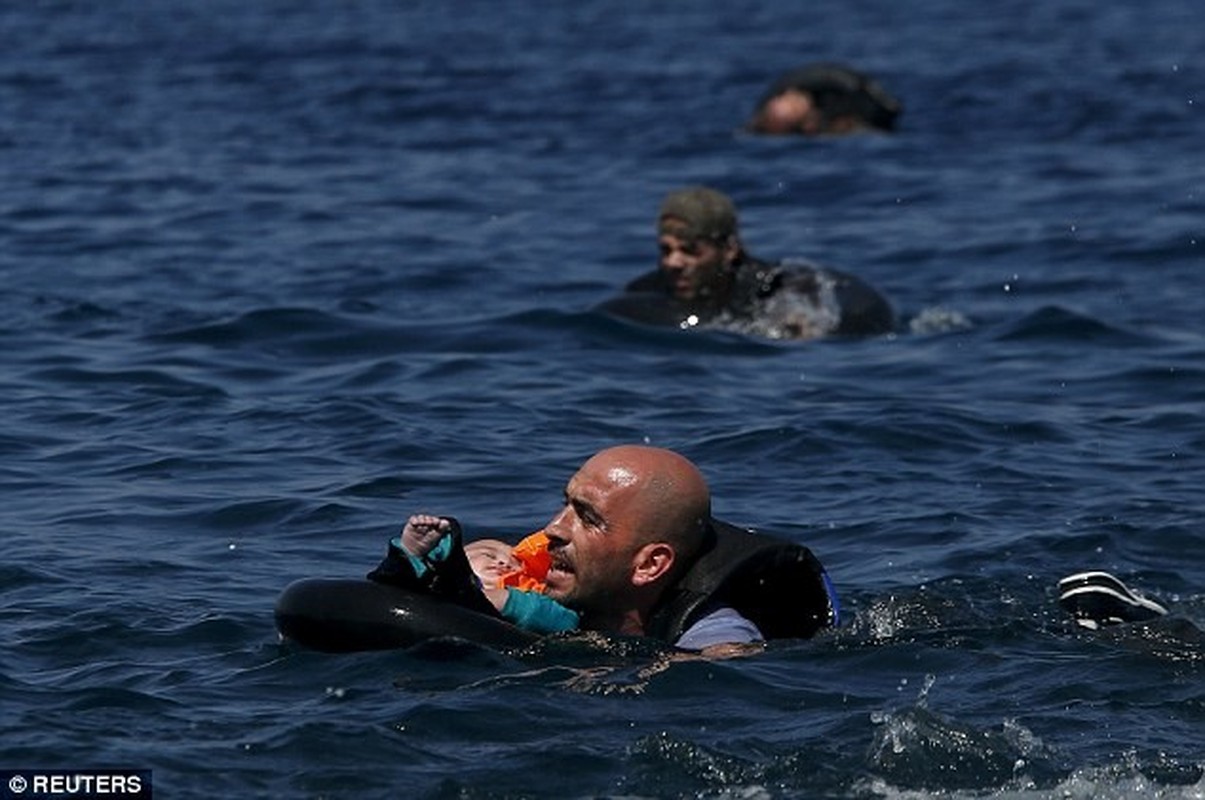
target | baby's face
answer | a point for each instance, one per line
(491, 559)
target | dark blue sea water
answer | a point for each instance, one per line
(280, 273)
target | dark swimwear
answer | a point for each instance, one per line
(780, 301)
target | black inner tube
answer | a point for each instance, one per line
(334, 615)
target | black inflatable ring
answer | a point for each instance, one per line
(336, 615)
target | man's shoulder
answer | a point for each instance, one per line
(856, 307)
(719, 625)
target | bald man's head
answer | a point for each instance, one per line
(634, 518)
(668, 494)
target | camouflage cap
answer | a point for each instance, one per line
(697, 213)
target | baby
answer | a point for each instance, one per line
(510, 578)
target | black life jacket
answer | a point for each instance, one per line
(779, 586)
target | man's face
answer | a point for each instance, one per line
(593, 540)
(695, 268)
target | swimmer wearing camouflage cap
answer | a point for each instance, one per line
(705, 277)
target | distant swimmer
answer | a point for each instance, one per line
(705, 278)
(824, 100)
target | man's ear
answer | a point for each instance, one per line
(652, 562)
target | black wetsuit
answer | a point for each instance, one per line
(797, 301)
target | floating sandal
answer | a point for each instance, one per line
(1098, 598)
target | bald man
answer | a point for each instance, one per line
(633, 520)
(636, 552)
